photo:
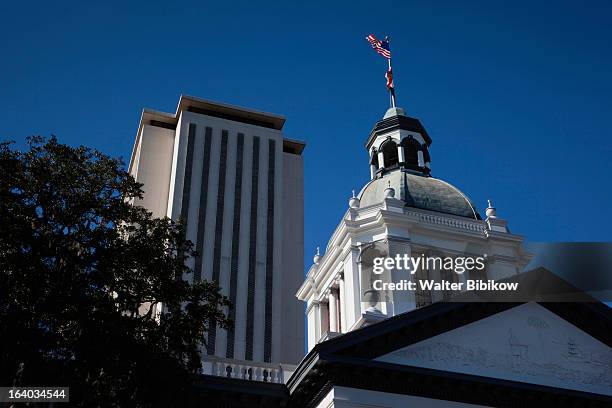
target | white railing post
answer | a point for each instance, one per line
(245, 370)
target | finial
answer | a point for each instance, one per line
(354, 201)
(491, 211)
(317, 258)
(389, 191)
(318, 250)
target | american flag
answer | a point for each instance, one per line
(381, 47)
(389, 76)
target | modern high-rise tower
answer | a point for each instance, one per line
(237, 182)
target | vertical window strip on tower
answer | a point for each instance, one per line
(197, 276)
(235, 243)
(252, 251)
(269, 252)
(212, 336)
(188, 171)
(184, 216)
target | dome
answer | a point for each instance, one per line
(426, 193)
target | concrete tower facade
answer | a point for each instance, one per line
(237, 182)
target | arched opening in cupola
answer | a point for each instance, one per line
(389, 151)
(411, 152)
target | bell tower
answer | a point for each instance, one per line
(398, 141)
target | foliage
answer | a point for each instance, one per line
(80, 267)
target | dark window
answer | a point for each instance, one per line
(426, 155)
(188, 171)
(235, 243)
(269, 252)
(184, 215)
(476, 274)
(422, 297)
(450, 276)
(212, 336)
(197, 274)
(411, 149)
(389, 150)
(252, 252)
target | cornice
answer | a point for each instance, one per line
(394, 123)
(414, 220)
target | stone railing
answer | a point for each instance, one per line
(247, 370)
(450, 222)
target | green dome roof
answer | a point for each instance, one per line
(426, 193)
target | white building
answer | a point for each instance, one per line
(405, 211)
(395, 349)
(237, 182)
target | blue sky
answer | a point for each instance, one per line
(516, 96)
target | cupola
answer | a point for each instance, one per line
(398, 142)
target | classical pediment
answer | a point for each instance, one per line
(527, 343)
(485, 353)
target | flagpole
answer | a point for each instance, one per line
(383, 48)
(391, 91)
(391, 95)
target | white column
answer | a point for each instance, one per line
(342, 294)
(323, 320)
(314, 324)
(381, 160)
(333, 312)
(421, 159)
(400, 153)
(352, 299)
(373, 167)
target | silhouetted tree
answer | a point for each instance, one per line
(80, 268)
